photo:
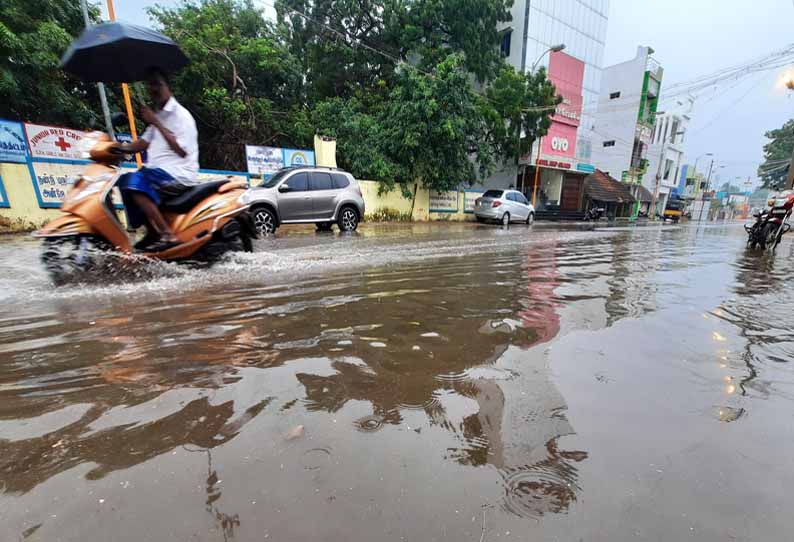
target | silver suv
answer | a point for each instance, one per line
(305, 194)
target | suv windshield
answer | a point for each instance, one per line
(276, 178)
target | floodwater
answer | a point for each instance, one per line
(408, 383)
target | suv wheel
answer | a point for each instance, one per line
(348, 219)
(264, 220)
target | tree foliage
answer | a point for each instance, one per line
(399, 83)
(242, 85)
(779, 148)
(33, 36)
(413, 90)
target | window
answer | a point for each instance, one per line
(614, 95)
(492, 194)
(298, 182)
(275, 179)
(340, 180)
(511, 196)
(521, 199)
(674, 132)
(321, 181)
(668, 167)
(504, 48)
(610, 143)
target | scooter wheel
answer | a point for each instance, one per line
(68, 258)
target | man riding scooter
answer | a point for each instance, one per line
(171, 142)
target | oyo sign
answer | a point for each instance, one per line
(559, 144)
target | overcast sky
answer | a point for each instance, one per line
(695, 37)
(691, 38)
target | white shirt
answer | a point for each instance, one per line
(180, 122)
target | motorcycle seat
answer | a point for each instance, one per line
(185, 201)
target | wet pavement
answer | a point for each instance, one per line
(418, 382)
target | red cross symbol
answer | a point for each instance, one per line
(62, 144)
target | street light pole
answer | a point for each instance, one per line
(554, 49)
(103, 99)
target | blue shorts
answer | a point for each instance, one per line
(149, 181)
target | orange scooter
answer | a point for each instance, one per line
(209, 219)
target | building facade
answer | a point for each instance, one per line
(581, 25)
(666, 150)
(625, 117)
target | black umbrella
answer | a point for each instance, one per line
(119, 53)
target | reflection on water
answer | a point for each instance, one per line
(440, 358)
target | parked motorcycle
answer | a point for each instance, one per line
(594, 213)
(209, 219)
(770, 224)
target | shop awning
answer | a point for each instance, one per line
(601, 187)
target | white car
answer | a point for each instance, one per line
(504, 206)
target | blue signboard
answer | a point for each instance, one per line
(4, 203)
(298, 157)
(587, 168)
(13, 147)
(127, 138)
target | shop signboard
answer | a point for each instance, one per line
(4, 203)
(51, 181)
(264, 160)
(54, 142)
(444, 202)
(566, 72)
(13, 147)
(298, 157)
(469, 197)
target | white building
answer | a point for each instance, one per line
(581, 25)
(625, 117)
(667, 143)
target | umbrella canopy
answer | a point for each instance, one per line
(119, 53)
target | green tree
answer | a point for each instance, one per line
(242, 85)
(430, 29)
(773, 170)
(433, 127)
(518, 110)
(33, 36)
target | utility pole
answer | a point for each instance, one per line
(703, 196)
(103, 99)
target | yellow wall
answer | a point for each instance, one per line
(396, 202)
(24, 213)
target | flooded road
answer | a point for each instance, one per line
(418, 382)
